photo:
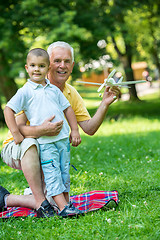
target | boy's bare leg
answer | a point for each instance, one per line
(66, 196)
(31, 168)
(65, 208)
(60, 201)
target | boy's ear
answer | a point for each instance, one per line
(26, 67)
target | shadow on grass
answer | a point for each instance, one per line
(149, 109)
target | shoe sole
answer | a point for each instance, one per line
(110, 205)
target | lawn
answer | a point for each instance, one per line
(123, 155)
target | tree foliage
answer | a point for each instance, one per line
(131, 27)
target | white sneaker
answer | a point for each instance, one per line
(27, 191)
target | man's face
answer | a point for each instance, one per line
(61, 66)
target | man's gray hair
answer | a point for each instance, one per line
(60, 44)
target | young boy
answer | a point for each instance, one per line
(39, 99)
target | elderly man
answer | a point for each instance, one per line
(25, 155)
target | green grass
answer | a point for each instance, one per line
(123, 155)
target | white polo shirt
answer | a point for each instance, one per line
(39, 103)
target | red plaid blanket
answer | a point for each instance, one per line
(86, 202)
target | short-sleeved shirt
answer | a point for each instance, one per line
(76, 102)
(40, 102)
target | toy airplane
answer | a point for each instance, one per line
(109, 81)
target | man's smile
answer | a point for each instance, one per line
(61, 72)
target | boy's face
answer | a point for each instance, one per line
(37, 68)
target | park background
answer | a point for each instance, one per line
(124, 154)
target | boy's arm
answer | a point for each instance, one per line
(11, 123)
(71, 118)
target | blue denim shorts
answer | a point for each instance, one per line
(55, 161)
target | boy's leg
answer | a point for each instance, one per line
(60, 201)
(66, 196)
(49, 155)
(64, 147)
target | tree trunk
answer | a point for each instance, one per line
(155, 45)
(8, 86)
(8, 89)
(2, 121)
(155, 51)
(126, 61)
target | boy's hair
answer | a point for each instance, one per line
(39, 52)
(60, 44)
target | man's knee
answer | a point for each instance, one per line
(32, 150)
(31, 156)
(30, 153)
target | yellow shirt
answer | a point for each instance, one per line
(76, 102)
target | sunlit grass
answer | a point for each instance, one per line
(3, 135)
(136, 125)
(155, 95)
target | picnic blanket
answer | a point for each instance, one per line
(86, 202)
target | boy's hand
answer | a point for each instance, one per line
(75, 138)
(18, 138)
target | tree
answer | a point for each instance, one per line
(10, 48)
(106, 19)
(22, 23)
(28, 23)
(119, 11)
(148, 19)
(112, 21)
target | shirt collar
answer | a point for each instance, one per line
(37, 85)
(66, 89)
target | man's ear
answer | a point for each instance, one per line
(72, 66)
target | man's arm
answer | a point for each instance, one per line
(91, 126)
(47, 128)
